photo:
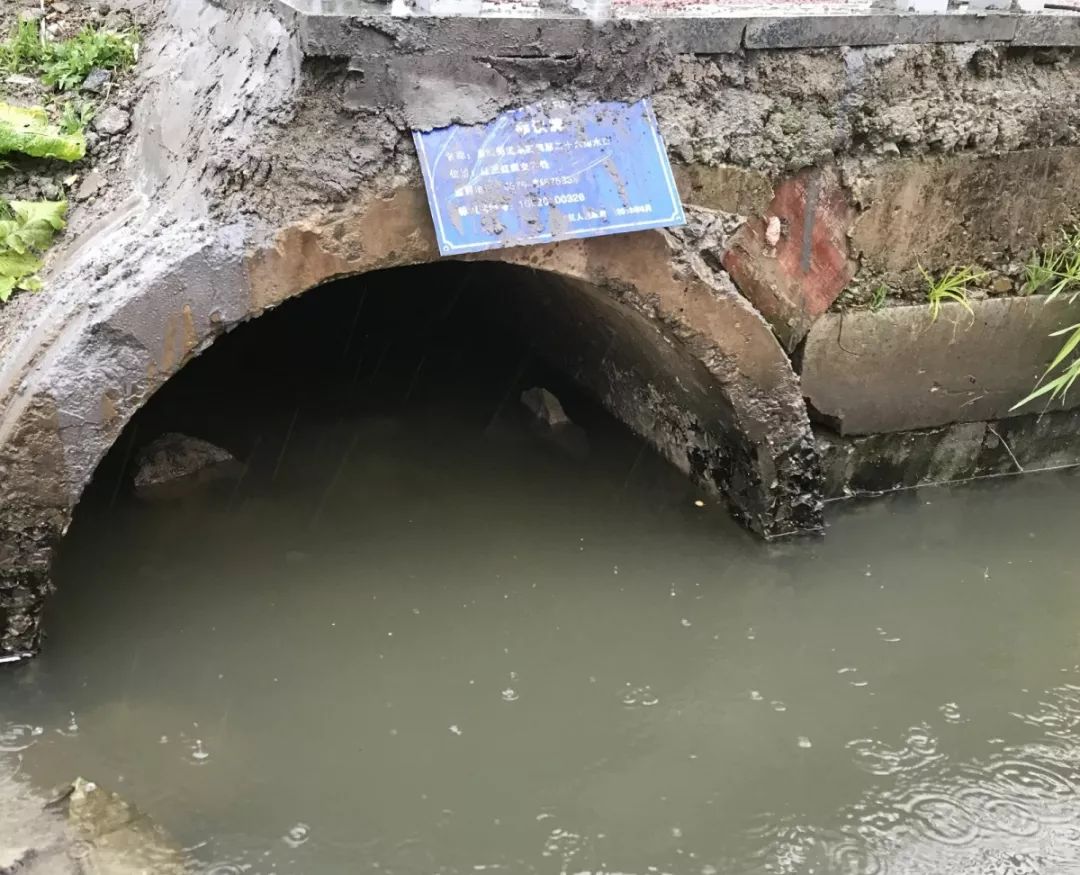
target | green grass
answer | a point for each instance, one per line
(1057, 271)
(878, 300)
(24, 49)
(953, 286)
(64, 64)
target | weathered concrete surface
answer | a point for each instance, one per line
(724, 188)
(875, 30)
(963, 209)
(793, 262)
(878, 463)
(782, 111)
(867, 372)
(337, 28)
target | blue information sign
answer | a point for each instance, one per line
(539, 174)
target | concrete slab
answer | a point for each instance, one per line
(1048, 30)
(895, 370)
(342, 28)
(871, 30)
(878, 463)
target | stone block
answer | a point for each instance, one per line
(895, 370)
(963, 209)
(872, 30)
(873, 464)
(1048, 30)
(793, 262)
(704, 36)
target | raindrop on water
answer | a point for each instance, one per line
(509, 695)
(297, 835)
(804, 741)
(199, 753)
(643, 695)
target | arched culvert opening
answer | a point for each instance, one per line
(416, 353)
(683, 362)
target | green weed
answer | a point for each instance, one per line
(1061, 384)
(1055, 270)
(878, 300)
(1041, 270)
(1059, 271)
(65, 64)
(75, 116)
(68, 63)
(24, 49)
(953, 286)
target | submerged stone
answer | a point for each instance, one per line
(85, 829)
(545, 407)
(555, 426)
(175, 465)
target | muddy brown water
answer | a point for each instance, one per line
(422, 639)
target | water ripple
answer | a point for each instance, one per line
(918, 749)
(17, 737)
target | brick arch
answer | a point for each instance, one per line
(686, 362)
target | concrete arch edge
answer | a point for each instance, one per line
(80, 373)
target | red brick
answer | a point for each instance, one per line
(796, 281)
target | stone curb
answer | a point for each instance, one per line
(344, 28)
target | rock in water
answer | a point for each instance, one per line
(545, 407)
(86, 830)
(176, 465)
(555, 424)
(120, 838)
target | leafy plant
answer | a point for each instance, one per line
(66, 64)
(26, 230)
(27, 130)
(75, 116)
(953, 286)
(23, 49)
